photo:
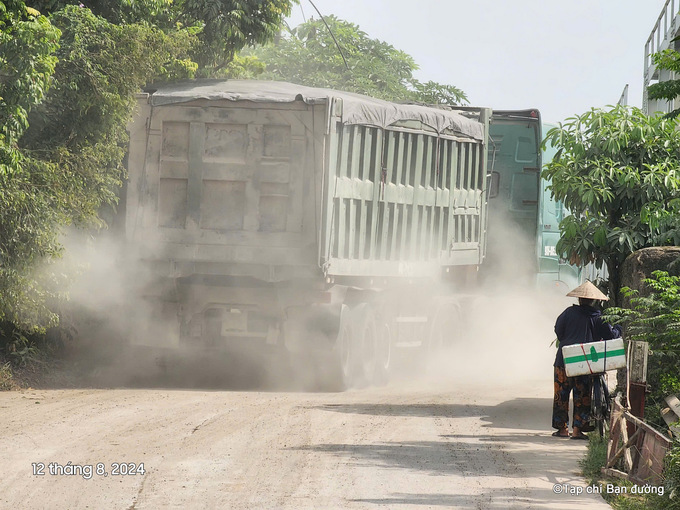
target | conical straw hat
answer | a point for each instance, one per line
(588, 291)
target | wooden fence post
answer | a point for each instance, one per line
(637, 377)
(642, 452)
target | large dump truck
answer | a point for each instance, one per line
(329, 223)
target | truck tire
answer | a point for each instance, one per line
(343, 364)
(445, 329)
(356, 347)
(383, 358)
(367, 343)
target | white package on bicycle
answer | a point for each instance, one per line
(594, 357)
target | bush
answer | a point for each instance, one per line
(6, 377)
(64, 164)
(655, 319)
(672, 476)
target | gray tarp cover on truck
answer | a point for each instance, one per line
(357, 108)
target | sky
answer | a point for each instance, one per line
(562, 57)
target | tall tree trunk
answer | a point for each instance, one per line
(614, 283)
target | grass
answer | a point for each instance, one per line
(7, 381)
(591, 465)
(595, 458)
(36, 373)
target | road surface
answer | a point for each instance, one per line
(401, 446)
(471, 431)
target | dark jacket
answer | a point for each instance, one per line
(581, 324)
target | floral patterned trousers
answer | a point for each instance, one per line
(581, 385)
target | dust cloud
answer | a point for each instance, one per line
(125, 338)
(506, 337)
(104, 308)
(126, 335)
(506, 333)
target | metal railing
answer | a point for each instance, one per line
(664, 30)
(665, 23)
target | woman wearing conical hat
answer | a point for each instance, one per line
(578, 324)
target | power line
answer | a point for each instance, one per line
(331, 32)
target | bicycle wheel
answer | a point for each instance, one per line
(600, 403)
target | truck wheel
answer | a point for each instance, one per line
(383, 358)
(346, 354)
(367, 342)
(343, 365)
(445, 328)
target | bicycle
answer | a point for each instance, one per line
(600, 402)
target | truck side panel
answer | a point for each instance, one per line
(403, 202)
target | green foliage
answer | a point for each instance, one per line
(17, 345)
(119, 12)
(68, 164)
(26, 215)
(6, 377)
(309, 56)
(672, 476)
(229, 25)
(67, 91)
(432, 92)
(656, 319)
(617, 171)
(77, 138)
(221, 27)
(244, 67)
(27, 44)
(595, 458)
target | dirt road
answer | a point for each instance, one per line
(391, 447)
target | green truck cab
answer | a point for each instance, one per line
(523, 218)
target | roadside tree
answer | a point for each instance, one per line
(27, 45)
(308, 55)
(67, 85)
(221, 27)
(618, 172)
